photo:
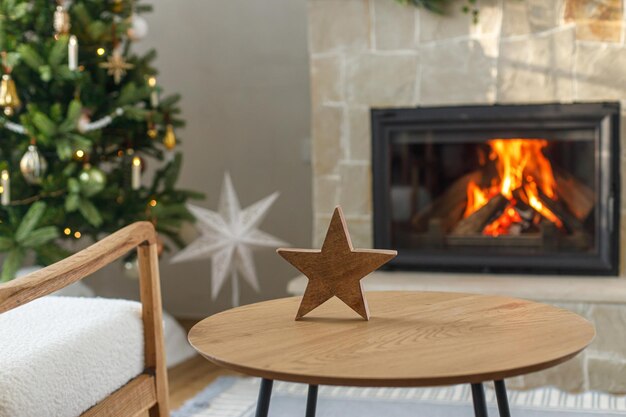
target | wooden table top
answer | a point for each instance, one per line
(412, 339)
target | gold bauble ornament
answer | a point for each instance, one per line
(118, 6)
(169, 140)
(33, 165)
(8, 95)
(151, 131)
(61, 21)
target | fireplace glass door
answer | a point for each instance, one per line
(498, 188)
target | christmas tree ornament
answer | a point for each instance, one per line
(83, 121)
(72, 53)
(151, 127)
(337, 269)
(138, 29)
(152, 131)
(61, 20)
(5, 183)
(154, 94)
(116, 65)
(92, 180)
(135, 173)
(228, 237)
(8, 95)
(118, 6)
(169, 140)
(33, 165)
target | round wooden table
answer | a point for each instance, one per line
(413, 339)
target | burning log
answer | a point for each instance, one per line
(571, 222)
(578, 197)
(476, 222)
(525, 211)
(449, 206)
(550, 234)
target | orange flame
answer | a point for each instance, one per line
(522, 165)
(476, 198)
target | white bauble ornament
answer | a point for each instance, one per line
(83, 122)
(138, 29)
(33, 165)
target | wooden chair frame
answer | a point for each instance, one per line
(148, 391)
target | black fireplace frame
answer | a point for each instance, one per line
(604, 117)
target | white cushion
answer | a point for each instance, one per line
(59, 356)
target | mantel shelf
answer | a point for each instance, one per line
(535, 287)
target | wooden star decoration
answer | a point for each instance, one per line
(336, 269)
(116, 66)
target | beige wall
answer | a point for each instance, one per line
(242, 69)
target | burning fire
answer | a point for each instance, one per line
(524, 177)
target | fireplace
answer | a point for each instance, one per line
(504, 188)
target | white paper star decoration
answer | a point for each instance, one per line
(228, 237)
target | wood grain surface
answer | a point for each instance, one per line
(336, 269)
(413, 339)
(137, 396)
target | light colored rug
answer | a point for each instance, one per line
(236, 397)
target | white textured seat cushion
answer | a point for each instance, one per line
(60, 356)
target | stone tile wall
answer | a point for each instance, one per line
(378, 53)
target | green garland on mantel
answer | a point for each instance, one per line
(441, 6)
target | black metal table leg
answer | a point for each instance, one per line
(503, 401)
(478, 397)
(311, 401)
(265, 393)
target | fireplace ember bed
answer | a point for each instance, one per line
(503, 188)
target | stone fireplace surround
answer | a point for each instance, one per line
(376, 53)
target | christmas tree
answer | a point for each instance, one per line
(82, 117)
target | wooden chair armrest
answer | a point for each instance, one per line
(73, 268)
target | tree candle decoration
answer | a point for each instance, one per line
(5, 182)
(154, 95)
(72, 53)
(136, 173)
